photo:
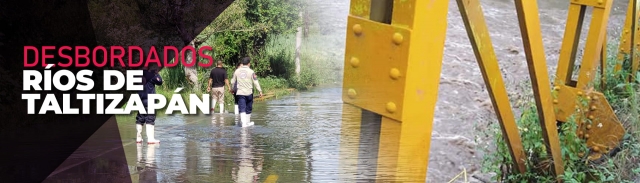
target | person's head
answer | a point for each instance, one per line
(154, 68)
(219, 64)
(246, 61)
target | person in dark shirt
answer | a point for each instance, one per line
(150, 78)
(217, 81)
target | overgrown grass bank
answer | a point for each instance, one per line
(624, 166)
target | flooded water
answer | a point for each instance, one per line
(297, 138)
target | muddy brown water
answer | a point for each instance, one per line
(297, 137)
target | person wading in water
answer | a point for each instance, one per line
(246, 78)
(150, 78)
(217, 81)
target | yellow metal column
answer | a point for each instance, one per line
(595, 38)
(580, 101)
(427, 22)
(478, 33)
(387, 153)
(635, 41)
(532, 40)
(570, 44)
(603, 63)
(393, 70)
(627, 38)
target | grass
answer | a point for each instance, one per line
(624, 166)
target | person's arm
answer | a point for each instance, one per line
(226, 80)
(157, 80)
(255, 82)
(209, 85)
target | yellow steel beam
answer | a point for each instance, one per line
(427, 21)
(570, 44)
(375, 73)
(593, 47)
(478, 33)
(393, 70)
(603, 63)
(532, 40)
(570, 98)
(626, 37)
(388, 150)
(592, 3)
(360, 8)
(635, 41)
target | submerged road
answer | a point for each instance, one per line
(295, 139)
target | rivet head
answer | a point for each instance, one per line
(557, 88)
(624, 40)
(595, 97)
(398, 38)
(588, 127)
(593, 107)
(355, 62)
(586, 136)
(596, 148)
(391, 107)
(591, 117)
(394, 73)
(579, 93)
(352, 93)
(580, 133)
(588, 97)
(600, 2)
(357, 28)
(555, 101)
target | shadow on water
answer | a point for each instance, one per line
(296, 138)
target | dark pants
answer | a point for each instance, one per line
(245, 103)
(235, 99)
(145, 118)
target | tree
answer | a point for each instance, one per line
(155, 23)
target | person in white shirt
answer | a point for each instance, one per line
(246, 79)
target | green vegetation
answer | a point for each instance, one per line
(624, 166)
(264, 30)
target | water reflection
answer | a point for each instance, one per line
(295, 139)
(146, 162)
(246, 172)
